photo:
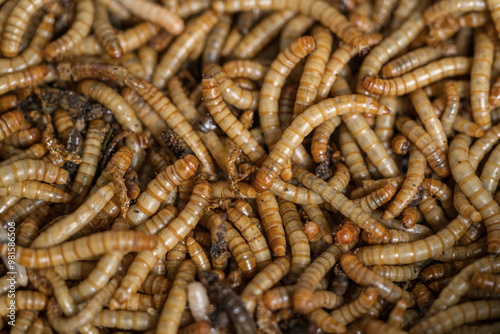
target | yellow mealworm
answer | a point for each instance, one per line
(159, 221)
(457, 315)
(324, 13)
(353, 158)
(450, 7)
(139, 302)
(127, 320)
(398, 273)
(81, 27)
(74, 222)
(63, 123)
(360, 17)
(449, 116)
(303, 296)
(132, 63)
(80, 249)
(294, 28)
(249, 69)
(321, 136)
(464, 207)
(117, 165)
(16, 24)
(29, 169)
(76, 270)
(384, 124)
(313, 70)
(104, 270)
(167, 239)
(241, 252)
(432, 72)
(396, 237)
(182, 46)
(377, 198)
(472, 187)
(316, 215)
(61, 292)
(489, 174)
(222, 189)
(442, 192)
(158, 189)
(429, 119)
(480, 79)
(357, 308)
(10, 123)
(105, 32)
(301, 253)
(303, 125)
(36, 190)
(457, 253)
(263, 281)
(389, 47)
(347, 233)
(30, 227)
(33, 55)
(215, 40)
(24, 300)
(197, 255)
(91, 151)
(20, 211)
(149, 58)
(174, 305)
(440, 270)
(366, 277)
(273, 224)
(84, 316)
(261, 34)
(398, 314)
(412, 60)
(347, 207)
(278, 298)
(372, 325)
(414, 177)
(487, 282)
(157, 14)
(273, 82)
(125, 116)
(236, 96)
(24, 320)
(229, 123)
(400, 144)
(252, 235)
(435, 157)
(23, 138)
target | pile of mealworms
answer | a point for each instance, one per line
(249, 166)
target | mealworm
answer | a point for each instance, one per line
(24, 320)
(85, 315)
(132, 63)
(125, 116)
(182, 46)
(457, 253)
(321, 136)
(36, 190)
(174, 305)
(261, 34)
(487, 282)
(278, 298)
(273, 224)
(215, 40)
(420, 250)
(450, 7)
(158, 189)
(301, 253)
(303, 125)
(127, 320)
(197, 255)
(263, 281)
(347, 207)
(168, 238)
(16, 24)
(313, 70)
(389, 47)
(449, 116)
(361, 18)
(489, 174)
(222, 189)
(101, 242)
(442, 192)
(324, 13)
(81, 27)
(412, 60)
(464, 207)
(347, 233)
(398, 273)
(229, 123)
(29, 169)
(139, 302)
(244, 68)
(104, 270)
(273, 82)
(75, 221)
(353, 158)
(252, 235)
(30, 227)
(156, 14)
(435, 157)
(117, 165)
(480, 79)
(159, 221)
(105, 32)
(75, 270)
(398, 314)
(472, 187)
(198, 301)
(148, 57)
(400, 144)
(357, 308)
(293, 29)
(423, 76)
(10, 123)
(457, 315)
(316, 215)
(241, 252)
(366, 277)
(23, 138)
(63, 123)
(303, 301)
(24, 300)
